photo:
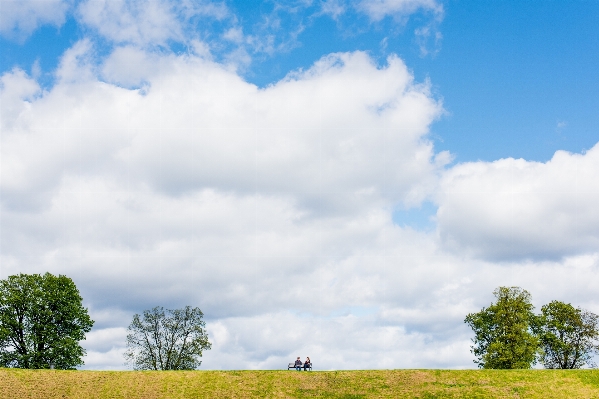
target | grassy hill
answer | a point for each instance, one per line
(293, 384)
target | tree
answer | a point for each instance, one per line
(42, 321)
(568, 336)
(503, 337)
(167, 339)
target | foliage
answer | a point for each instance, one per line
(167, 339)
(567, 335)
(42, 321)
(503, 338)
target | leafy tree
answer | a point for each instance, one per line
(167, 339)
(568, 336)
(42, 321)
(502, 334)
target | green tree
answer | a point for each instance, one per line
(502, 332)
(568, 336)
(167, 339)
(42, 321)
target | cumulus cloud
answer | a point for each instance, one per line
(17, 90)
(340, 133)
(128, 66)
(19, 18)
(199, 188)
(161, 179)
(515, 209)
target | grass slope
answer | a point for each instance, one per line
(292, 384)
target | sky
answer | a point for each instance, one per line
(334, 179)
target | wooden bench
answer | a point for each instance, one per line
(292, 366)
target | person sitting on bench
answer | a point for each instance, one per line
(298, 364)
(307, 363)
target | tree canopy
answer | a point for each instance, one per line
(42, 320)
(503, 337)
(167, 339)
(568, 336)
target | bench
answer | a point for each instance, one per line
(292, 366)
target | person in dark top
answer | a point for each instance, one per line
(298, 364)
(307, 363)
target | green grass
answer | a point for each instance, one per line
(423, 384)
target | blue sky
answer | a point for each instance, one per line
(390, 162)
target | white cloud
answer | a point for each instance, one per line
(145, 22)
(379, 9)
(130, 67)
(271, 341)
(111, 359)
(77, 64)
(138, 22)
(560, 126)
(17, 90)
(428, 39)
(202, 189)
(334, 8)
(102, 340)
(339, 134)
(513, 209)
(234, 34)
(178, 183)
(19, 18)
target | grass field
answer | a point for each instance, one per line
(292, 384)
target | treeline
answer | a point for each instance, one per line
(509, 335)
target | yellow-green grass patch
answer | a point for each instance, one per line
(41, 384)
